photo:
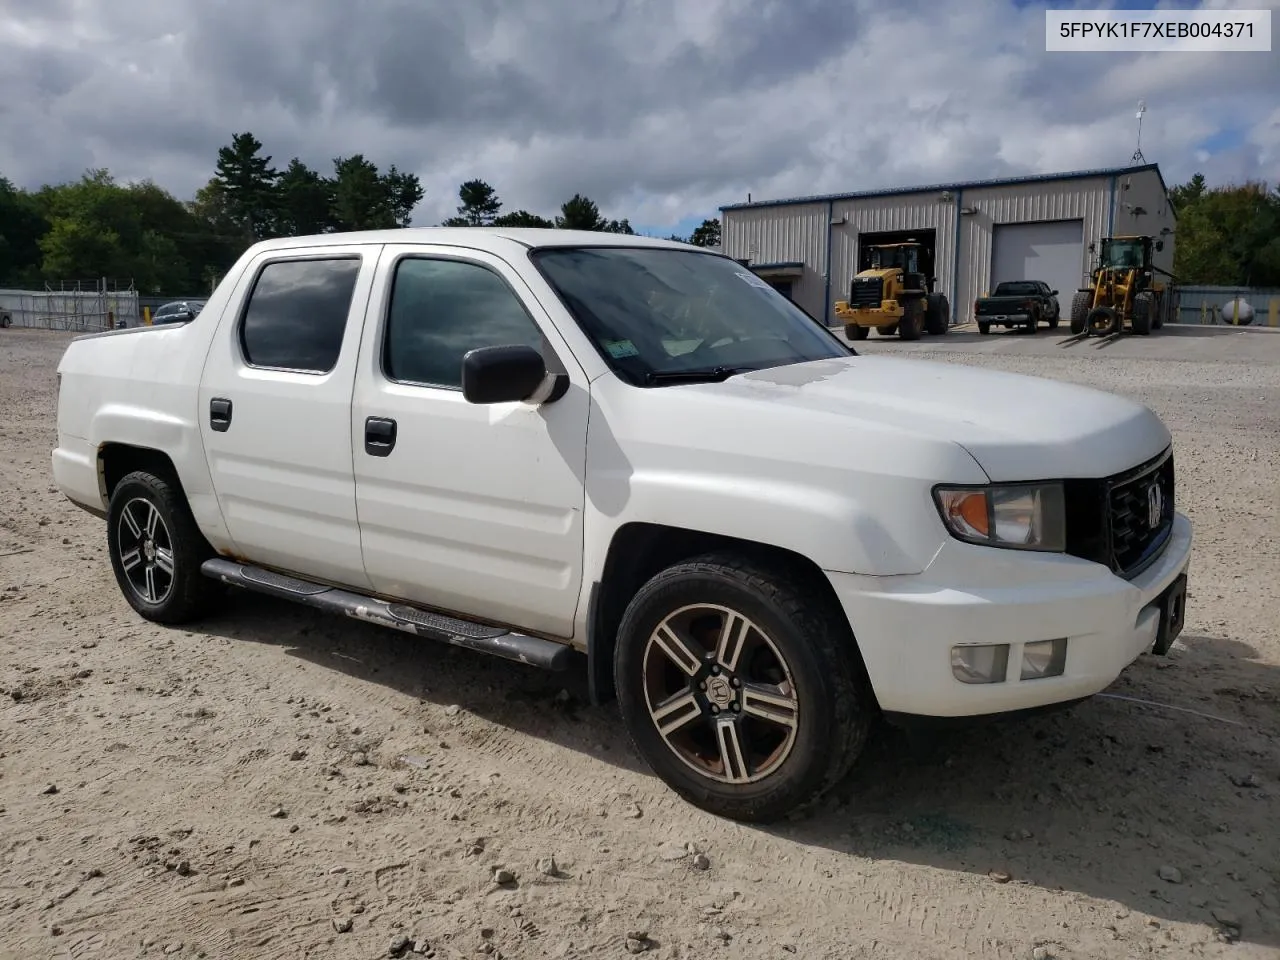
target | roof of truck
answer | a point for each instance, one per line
(483, 238)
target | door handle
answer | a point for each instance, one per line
(379, 436)
(220, 414)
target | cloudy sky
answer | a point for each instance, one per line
(659, 110)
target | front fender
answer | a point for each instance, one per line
(835, 530)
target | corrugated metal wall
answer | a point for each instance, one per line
(780, 234)
(1087, 200)
(1142, 191)
(1200, 304)
(922, 211)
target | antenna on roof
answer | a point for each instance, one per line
(1137, 153)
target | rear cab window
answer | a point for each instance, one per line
(295, 317)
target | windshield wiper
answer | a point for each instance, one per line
(697, 375)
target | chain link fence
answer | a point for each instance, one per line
(82, 306)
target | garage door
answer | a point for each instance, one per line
(1051, 251)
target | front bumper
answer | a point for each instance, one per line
(1004, 318)
(906, 625)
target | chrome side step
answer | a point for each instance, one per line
(533, 651)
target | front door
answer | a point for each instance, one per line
(275, 411)
(469, 509)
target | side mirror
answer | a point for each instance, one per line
(1053, 293)
(1159, 245)
(187, 315)
(501, 374)
(1093, 248)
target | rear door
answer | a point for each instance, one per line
(470, 509)
(275, 410)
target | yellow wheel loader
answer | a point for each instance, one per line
(894, 296)
(1124, 291)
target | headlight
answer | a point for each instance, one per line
(1022, 516)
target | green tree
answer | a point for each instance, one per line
(522, 218)
(618, 226)
(404, 193)
(359, 195)
(479, 207)
(249, 184)
(79, 249)
(21, 226)
(1185, 194)
(706, 234)
(304, 201)
(99, 228)
(364, 199)
(1229, 235)
(580, 213)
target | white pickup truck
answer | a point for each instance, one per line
(544, 444)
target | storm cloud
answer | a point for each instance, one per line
(657, 109)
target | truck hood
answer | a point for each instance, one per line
(1016, 427)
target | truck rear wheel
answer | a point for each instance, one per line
(741, 687)
(937, 315)
(855, 331)
(1144, 310)
(156, 550)
(1080, 311)
(888, 330)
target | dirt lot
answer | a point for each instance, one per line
(282, 784)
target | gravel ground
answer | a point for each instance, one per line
(279, 783)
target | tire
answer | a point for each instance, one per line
(888, 330)
(984, 327)
(5, 321)
(1103, 322)
(912, 323)
(855, 331)
(821, 704)
(1033, 322)
(1144, 310)
(1053, 322)
(1080, 311)
(1157, 318)
(149, 510)
(937, 314)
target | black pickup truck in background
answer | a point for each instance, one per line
(1017, 303)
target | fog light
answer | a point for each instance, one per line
(1045, 658)
(980, 664)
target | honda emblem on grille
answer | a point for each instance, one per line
(1155, 505)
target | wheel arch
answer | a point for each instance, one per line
(639, 550)
(117, 460)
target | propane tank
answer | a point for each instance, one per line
(1237, 312)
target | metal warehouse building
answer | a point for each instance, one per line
(975, 234)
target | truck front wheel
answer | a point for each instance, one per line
(741, 687)
(156, 550)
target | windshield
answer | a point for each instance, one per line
(1122, 253)
(904, 258)
(1018, 289)
(654, 313)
